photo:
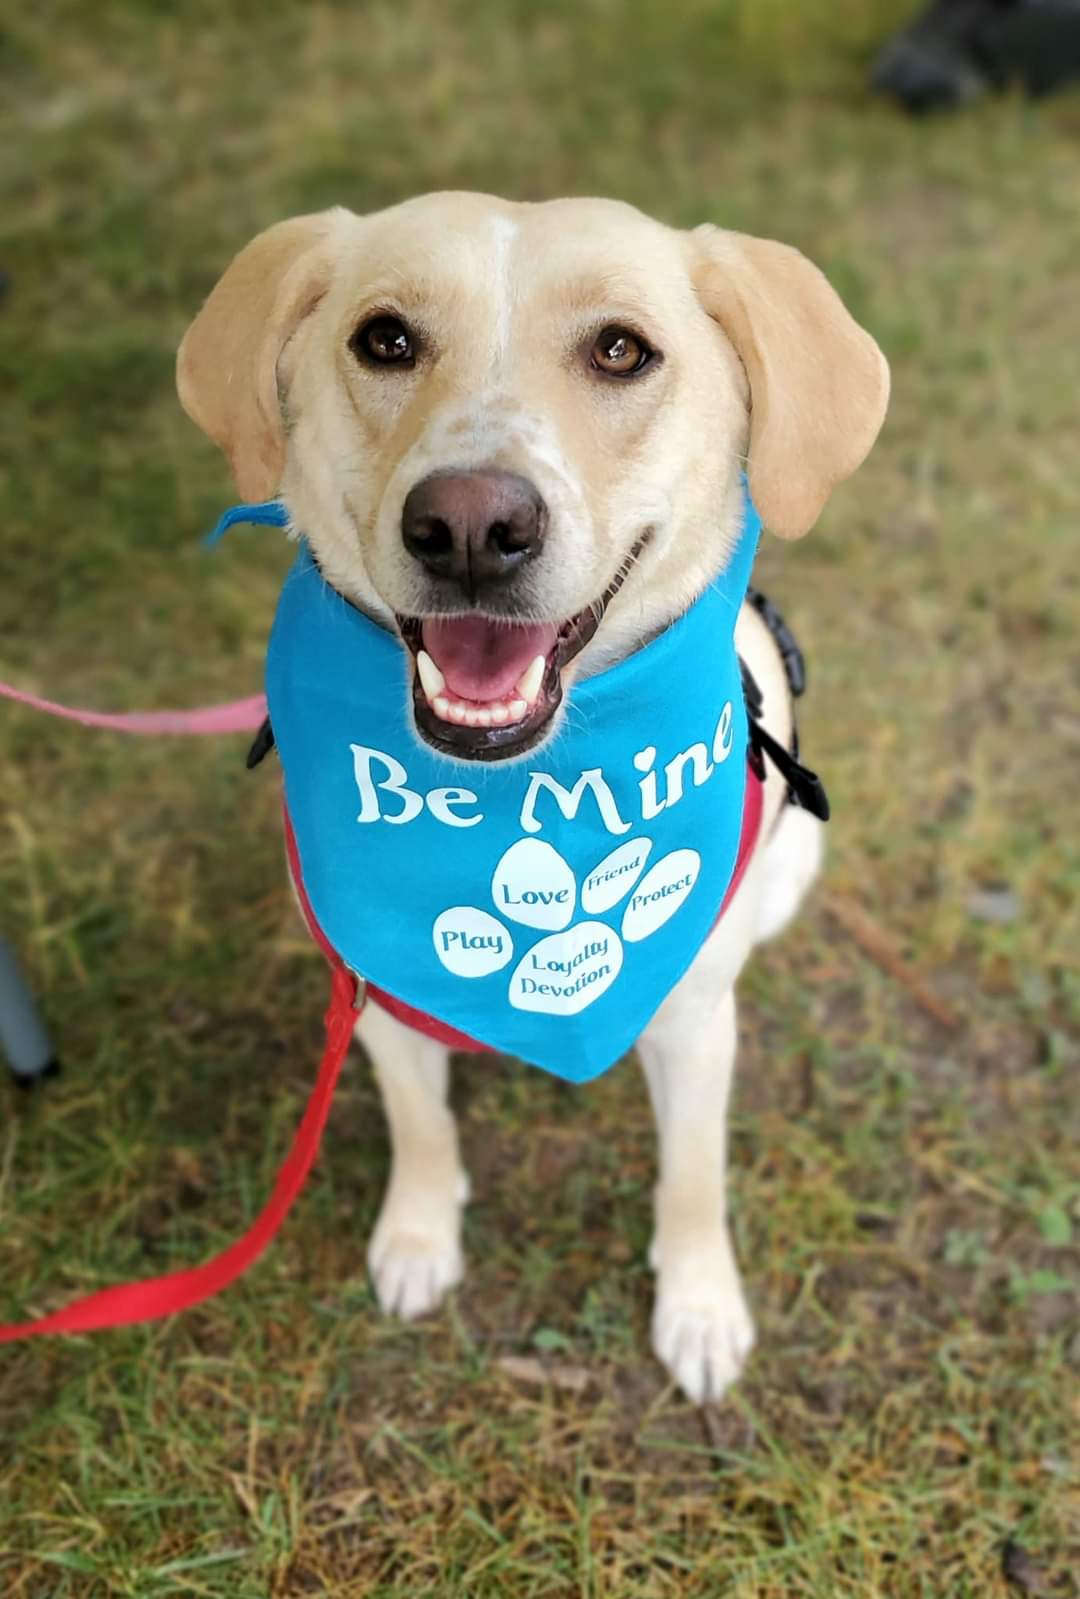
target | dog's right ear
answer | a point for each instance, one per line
(226, 369)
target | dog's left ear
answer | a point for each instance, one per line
(819, 385)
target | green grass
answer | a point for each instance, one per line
(906, 1198)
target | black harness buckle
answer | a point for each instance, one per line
(805, 787)
(262, 744)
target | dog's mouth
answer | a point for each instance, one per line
(485, 688)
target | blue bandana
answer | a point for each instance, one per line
(544, 906)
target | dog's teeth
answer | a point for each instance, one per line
(529, 685)
(498, 714)
(430, 676)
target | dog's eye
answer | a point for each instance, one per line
(620, 353)
(386, 341)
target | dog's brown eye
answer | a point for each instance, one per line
(386, 341)
(620, 353)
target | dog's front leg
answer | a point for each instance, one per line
(702, 1329)
(415, 1251)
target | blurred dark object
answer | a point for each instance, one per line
(958, 49)
(23, 1039)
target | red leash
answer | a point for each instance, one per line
(178, 1290)
(154, 1297)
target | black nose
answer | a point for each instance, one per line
(474, 528)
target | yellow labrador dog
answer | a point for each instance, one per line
(432, 390)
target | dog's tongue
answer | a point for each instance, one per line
(483, 660)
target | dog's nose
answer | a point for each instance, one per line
(474, 528)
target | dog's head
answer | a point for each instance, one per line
(516, 432)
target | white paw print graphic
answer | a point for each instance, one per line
(534, 887)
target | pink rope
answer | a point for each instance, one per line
(235, 716)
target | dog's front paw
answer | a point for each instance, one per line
(415, 1256)
(702, 1329)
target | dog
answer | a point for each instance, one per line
(480, 413)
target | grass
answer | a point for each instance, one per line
(906, 1196)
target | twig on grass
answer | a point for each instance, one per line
(527, 1369)
(874, 941)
